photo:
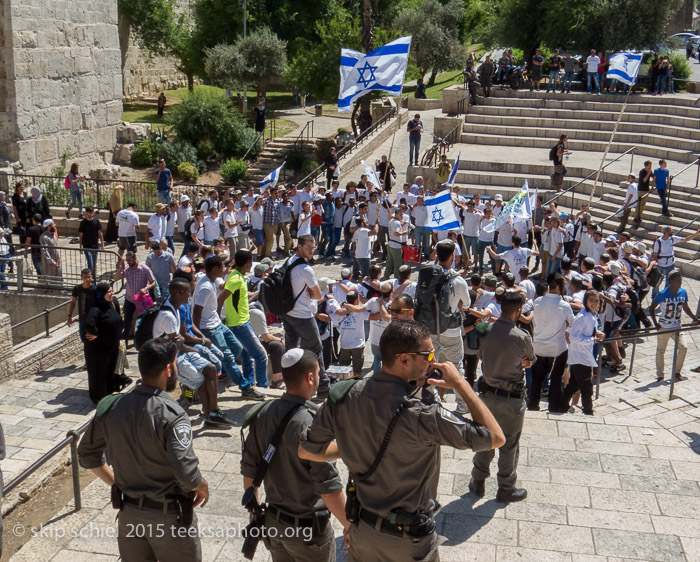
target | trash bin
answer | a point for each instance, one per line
(318, 110)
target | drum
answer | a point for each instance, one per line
(411, 254)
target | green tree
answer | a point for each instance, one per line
(436, 30)
(153, 22)
(255, 61)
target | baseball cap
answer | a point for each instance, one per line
(160, 206)
(611, 238)
(490, 281)
(260, 269)
(642, 247)
(184, 197)
(629, 247)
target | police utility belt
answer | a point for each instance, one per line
(181, 506)
(400, 522)
(515, 391)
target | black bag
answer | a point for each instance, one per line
(655, 276)
(276, 290)
(639, 276)
(432, 307)
(246, 227)
(144, 326)
(188, 232)
(553, 153)
(371, 291)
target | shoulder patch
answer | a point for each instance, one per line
(183, 434)
(251, 414)
(340, 390)
(446, 415)
(106, 404)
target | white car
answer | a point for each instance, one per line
(685, 35)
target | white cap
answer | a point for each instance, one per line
(498, 197)
(184, 197)
(47, 223)
(292, 357)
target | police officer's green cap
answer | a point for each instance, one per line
(292, 357)
(491, 281)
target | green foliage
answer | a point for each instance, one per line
(314, 69)
(681, 67)
(295, 159)
(177, 152)
(60, 170)
(205, 149)
(233, 170)
(188, 172)
(435, 28)
(254, 61)
(152, 21)
(145, 153)
(308, 167)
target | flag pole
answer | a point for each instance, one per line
(393, 137)
(607, 148)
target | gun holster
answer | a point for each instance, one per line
(320, 522)
(185, 511)
(352, 504)
(117, 497)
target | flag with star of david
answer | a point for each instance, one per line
(441, 212)
(382, 69)
(517, 208)
(625, 67)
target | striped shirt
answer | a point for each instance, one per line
(136, 279)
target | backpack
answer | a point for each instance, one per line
(639, 276)
(66, 182)
(276, 290)
(188, 231)
(346, 229)
(553, 152)
(432, 307)
(371, 291)
(655, 276)
(144, 326)
(322, 326)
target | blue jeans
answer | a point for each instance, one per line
(316, 232)
(482, 250)
(422, 238)
(36, 260)
(593, 77)
(327, 246)
(91, 259)
(502, 72)
(212, 354)
(413, 151)
(601, 81)
(165, 197)
(258, 236)
(568, 79)
(336, 240)
(76, 198)
(472, 245)
(171, 243)
(224, 339)
(253, 353)
(364, 266)
(553, 266)
(664, 200)
(377, 363)
(553, 77)
(185, 244)
(661, 83)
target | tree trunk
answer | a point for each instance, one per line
(433, 75)
(190, 83)
(364, 119)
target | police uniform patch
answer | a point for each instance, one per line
(183, 434)
(446, 415)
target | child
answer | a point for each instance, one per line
(350, 320)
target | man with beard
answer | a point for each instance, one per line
(154, 475)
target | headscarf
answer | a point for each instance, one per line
(115, 200)
(101, 290)
(36, 194)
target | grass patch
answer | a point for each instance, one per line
(442, 81)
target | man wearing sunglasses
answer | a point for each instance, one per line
(402, 308)
(395, 506)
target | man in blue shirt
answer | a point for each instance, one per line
(327, 231)
(661, 175)
(673, 301)
(164, 183)
(414, 128)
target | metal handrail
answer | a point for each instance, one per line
(255, 142)
(272, 128)
(589, 176)
(308, 129)
(45, 314)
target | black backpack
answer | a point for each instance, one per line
(144, 326)
(432, 307)
(553, 152)
(371, 291)
(639, 276)
(276, 290)
(188, 231)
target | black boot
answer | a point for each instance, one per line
(508, 496)
(477, 487)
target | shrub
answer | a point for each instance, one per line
(237, 140)
(342, 130)
(681, 68)
(145, 153)
(205, 149)
(308, 166)
(295, 159)
(233, 170)
(188, 172)
(177, 152)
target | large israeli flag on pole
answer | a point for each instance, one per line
(441, 212)
(382, 69)
(453, 174)
(272, 178)
(625, 67)
(371, 175)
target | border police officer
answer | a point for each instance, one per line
(155, 481)
(299, 493)
(390, 439)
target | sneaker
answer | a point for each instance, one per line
(67, 214)
(218, 416)
(253, 394)
(680, 377)
(618, 368)
(660, 379)
(209, 422)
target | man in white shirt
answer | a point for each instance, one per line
(231, 222)
(361, 233)
(592, 63)
(300, 327)
(184, 212)
(630, 202)
(250, 196)
(385, 214)
(157, 223)
(127, 222)
(379, 318)
(205, 315)
(212, 202)
(351, 327)
(211, 226)
(398, 235)
(663, 253)
(472, 220)
(516, 257)
(525, 283)
(553, 318)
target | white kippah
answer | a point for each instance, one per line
(292, 357)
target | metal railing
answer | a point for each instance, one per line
(45, 314)
(271, 129)
(306, 134)
(644, 333)
(57, 269)
(261, 135)
(674, 176)
(589, 176)
(348, 148)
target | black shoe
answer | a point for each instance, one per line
(209, 422)
(477, 487)
(253, 394)
(218, 416)
(514, 495)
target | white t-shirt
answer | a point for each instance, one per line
(230, 217)
(516, 258)
(376, 327)
(338, 217)
(363, 249)
(211, 228)
(304, 225)
(306, 196)
(495, 309)
(664, 248)
(592, 63)
(521, 228)
(420, 214)
(529, 288)
(171, 221)
(296, 200)
(256, 218)
(157, 225)
(631, 195)
(471, 223)
(372, 212)
(128, 222)
(352, 329)
(205, 295)
(459, 291)
(331, 306)
(339, 294)
(303, 278)
(250, 199)
(409, 197)
(383, 211)
(483, 235)
(556, 238)
(409, 290)
(185, 261)
(597, 249)
(197, 230)
(396, 225)
(167, 322)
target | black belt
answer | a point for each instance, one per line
(151, 504)
(415, 531)
(290, 519)
(504, 393)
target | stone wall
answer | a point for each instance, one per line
(19, 307)
(7, 355)
(60, 81)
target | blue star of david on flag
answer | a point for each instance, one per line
(366, 81)
(437, 216)
(441, 212)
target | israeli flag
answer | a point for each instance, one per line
(371, 175)
(382, 69)
(625, 67)
(451, 181)
(518, 207)
(441, 212)
(272, 178)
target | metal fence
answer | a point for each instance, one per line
(31, 268)
(47, 317)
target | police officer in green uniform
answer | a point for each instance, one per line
(155, 480)
(300, 494)
(389, 429)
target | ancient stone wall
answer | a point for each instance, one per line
(60, 81)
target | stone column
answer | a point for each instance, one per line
(7, 355)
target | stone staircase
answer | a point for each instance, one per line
(272, 156)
